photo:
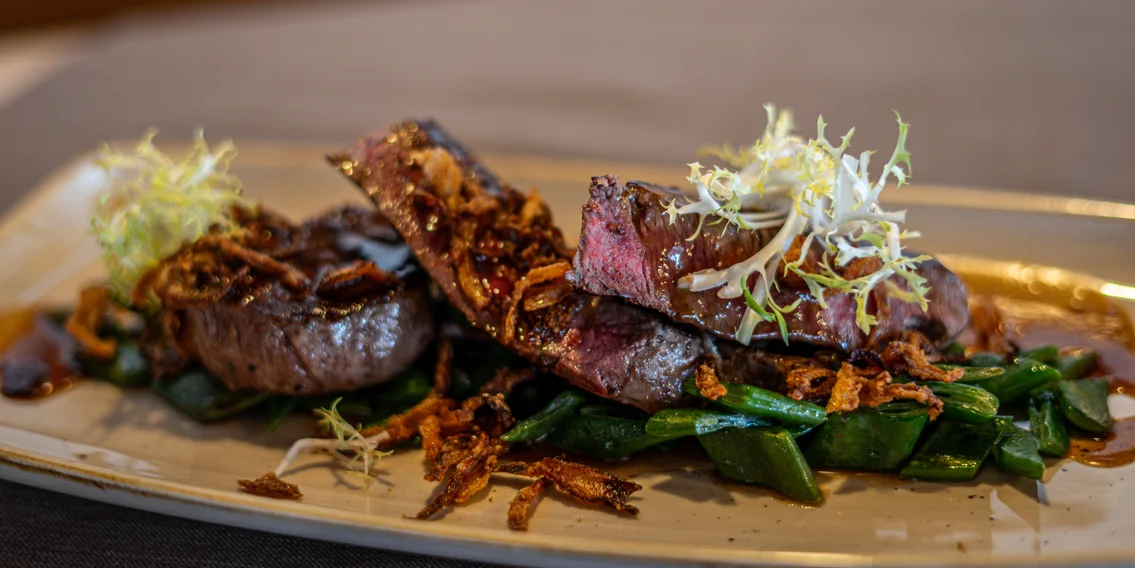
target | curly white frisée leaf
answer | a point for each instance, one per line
(811, 189)
(349, 447)
(155, 204)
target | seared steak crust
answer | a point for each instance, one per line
(352, 325)
(277, 344)
(630, 249)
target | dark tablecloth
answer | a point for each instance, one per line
(1025, 94)
(41, 529)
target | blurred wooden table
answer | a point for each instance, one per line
(28, 58)
(1025, 94)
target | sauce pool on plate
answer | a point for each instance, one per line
(1114, 449)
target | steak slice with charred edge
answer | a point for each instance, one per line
(275, 344)
(499, 259)
(630, 249)
(357, 326)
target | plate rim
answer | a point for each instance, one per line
(242, 510)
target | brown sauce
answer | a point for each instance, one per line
(1114, 449)
(1032, 324)
(1122, 386)
(14, 326)
(37, 357)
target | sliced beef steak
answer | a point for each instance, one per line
(629, 249)
(278, 344)
(499, 259)
(352, 323)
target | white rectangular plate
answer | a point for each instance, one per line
(131, 448)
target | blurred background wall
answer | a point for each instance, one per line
(1024, 94)
(18, 16)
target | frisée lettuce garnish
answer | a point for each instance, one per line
(350, 448)
(155, 204)
(812, 188)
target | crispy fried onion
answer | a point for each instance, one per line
(505, 251)
(404, 426)
(444, 172)
(507, 379)
(447, 177)
(552, 273)
(856, 268)
(443, 369)
(462, 449)
(355, 279)
(870, 385)
(988, 324)
(267, 255)
(206, 269)
(584, 483)
(162, 346)
(707, 382)
(452, 417)
(518, 508)
(433, 418)
(267, 250)
(810, 381)
(83, 324)
(471, 283)
(908, 356)
(810, 264)
(268, 485)
(855, 387)
(466, 462)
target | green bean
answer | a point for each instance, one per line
(678, 422)
(870, 439)
(762, 456)
(1018, 451)
(602, 436)
(970, 373)
(1074, 364)
(954, 349)
(1017, 381)
(964, 403)
(280, 408)
(1084, 404)
(129, 368)
(953, 451)
(354, 406)
(608, 408)
(748, 399)
(1047, 424)
(204, 398)
(1046, 354)
(987, 359)
(403, 392)
(477, 363)
(374, 405)
(540, 424)
(800, 430)
(530, 397)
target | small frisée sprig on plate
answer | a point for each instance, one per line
(155, 204)
(349, 447)
(810, 188)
